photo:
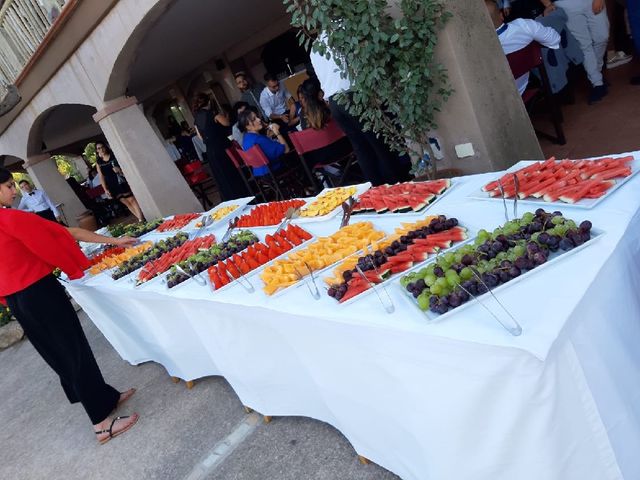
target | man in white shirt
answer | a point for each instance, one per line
(273, 100)
(378, 164)
(518, 34)
(38, 202)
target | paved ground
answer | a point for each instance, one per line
(182, 434)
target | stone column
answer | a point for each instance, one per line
(485, 108)
(44, 173)
(156, 182)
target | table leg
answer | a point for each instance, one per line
(175, 379)
(189, 384)
(363, 460)
(267, 419)
(247, 410)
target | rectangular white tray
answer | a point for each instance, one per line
(240, 202)
(360, 189)
(584, 203)
(272, 227)
(553, 259)
(373, 215)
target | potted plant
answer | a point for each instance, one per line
(388, 51)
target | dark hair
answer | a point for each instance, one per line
(23, 181)
(237, 106)
(270, 77)
(316, 111)
(106, 147)
(5, 175)
(200, 101)
(240, 74)
(244, 119)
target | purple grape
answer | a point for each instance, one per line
(567, 244)
(540, 212)
(441, 308)
(585, 226)
(464, 296)
(433, 300)
(468, 260)
(332, 292)
(438, 272)
(504, 276)
(490, 279)
(544, 238)
(505, 264)
(455, 300)
(521, 263)
(416, 293)
(514, 272)
(539, 258)
(420, 285)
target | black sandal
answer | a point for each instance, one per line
(110, 429)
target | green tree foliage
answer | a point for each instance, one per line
(5, 315)
(90, 153)
(389, 56)
(66, 168)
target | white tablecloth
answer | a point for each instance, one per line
(452, 400)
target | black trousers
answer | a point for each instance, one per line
(47, 215)
(378, 164)
(53, 328)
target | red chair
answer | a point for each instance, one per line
(95, 192)
(524, 61)
(284, 179)
(198, 179)
(245, 172)
(322, 142)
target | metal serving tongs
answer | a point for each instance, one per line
(233, 223)
(389, 307)
(291, 214)
(198, 279)
(206, 221)
(515, 329)
(504, 200)
(248, 286)
(516, 182)
(347, 210)
(315, 292)
(301, 278)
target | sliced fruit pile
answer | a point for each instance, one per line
(328, 201)
(257, 255)
(156, 267)
(153, 253)
(401, 197)
(267, 214)
(495, 258)
(318, 255)
(109, 252)
(568, 181)
(115, 260)
(205, 258)
(177, 222)
(394, 257)
(134, 229)
(223, 212)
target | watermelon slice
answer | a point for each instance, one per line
(401, 267)
(355, 290)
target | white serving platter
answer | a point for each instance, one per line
(585, 203)
(486, 297)
(360, 189)
(399, 215)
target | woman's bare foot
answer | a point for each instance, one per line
(112, 427)
(124, 396)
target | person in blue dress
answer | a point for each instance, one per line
(255, 133)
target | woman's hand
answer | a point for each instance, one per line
(124, 241)
(598, 6)
(275, 128)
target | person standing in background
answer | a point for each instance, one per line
(588, 22)
(379, 165)
(250, 92)
(38, 202)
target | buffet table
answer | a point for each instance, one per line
(452, 400)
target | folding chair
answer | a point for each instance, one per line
(281, 180)
(525, 60)
(199, 180)
(317, 145)
(245, 172)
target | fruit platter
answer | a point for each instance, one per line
(141, 259)
(494, 260)
(258, 254)
(135, 230)
(580, 183)
(320, 254)
(405, 198)
(410, 245)
(113, 257)
(329, 202)
(176, 222)
(268, 214)
(154, 268)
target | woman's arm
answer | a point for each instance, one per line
(275, 128)
(198, 134)
(102, 182)
(87, 236)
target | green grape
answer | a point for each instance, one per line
(446, 291)
(430, 279)
(453, 282)
(527, 218)
(450, 258)
(502, 256)
(442, 282)
(557, 220)
(467, 249)
(512, 256)
(423, 300)
(571, 224)
(404, 281)
(519, 250)
(423, 272)
(435, 289)
(466, 274)
(458, 257)
(534, 237)
(484, 235)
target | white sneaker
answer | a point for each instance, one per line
(616, 59)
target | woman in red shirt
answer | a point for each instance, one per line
(31, 249)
